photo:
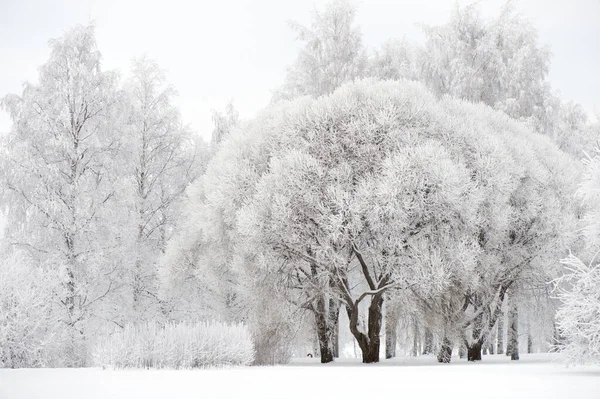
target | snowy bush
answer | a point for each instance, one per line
(176, 345)
(30, 332)
(579, 316)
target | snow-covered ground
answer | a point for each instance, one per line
(534, 376)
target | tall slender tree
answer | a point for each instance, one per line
(160, 159)
(59, 177)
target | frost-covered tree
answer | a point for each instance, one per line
(160, 158)
(378, 187)
(396, 59)
(579, 288)
(332, 53)
(579, 316)
(58, 177)
(224, 123)
(498, 61)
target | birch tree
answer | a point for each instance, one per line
(59, 177)
(161, 159)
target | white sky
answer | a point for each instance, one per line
(216, 50)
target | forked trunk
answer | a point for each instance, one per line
(369, 343)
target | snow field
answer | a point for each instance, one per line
(535, 376)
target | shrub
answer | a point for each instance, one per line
(176, 345)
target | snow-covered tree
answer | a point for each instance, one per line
(160, 159)
(375, 188)
(396, 59)
(498, 61)
(59, 180)
(579, 287)
(224, 123)
(332, 54)
(579, 316)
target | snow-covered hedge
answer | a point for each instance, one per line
(176, 345)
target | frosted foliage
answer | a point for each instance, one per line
(381, 186)
(497, 61)
(579, 316)
(589, 192)
(396, 59)
(160, 160)
(332, 53)
(31, 334)
(579, 288)
(224, 123)
(60, 179)
(176, 345)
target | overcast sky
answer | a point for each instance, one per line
(218, 50)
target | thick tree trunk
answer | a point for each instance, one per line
(323, 330)
(445, 353)
(474, 348)
(513, 328)
(369, 343)
(428, 345)
(474, 351)
(391, 324)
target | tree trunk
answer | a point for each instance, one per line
(391, 324)
(369, 343)
(462, 351)
(474, 351)
(323, 330)
(415, 347)
(334, 323)
(428, 346)
(491, 340)
(529, 338)
(513, 328)
(500, 334)
(445, 353)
